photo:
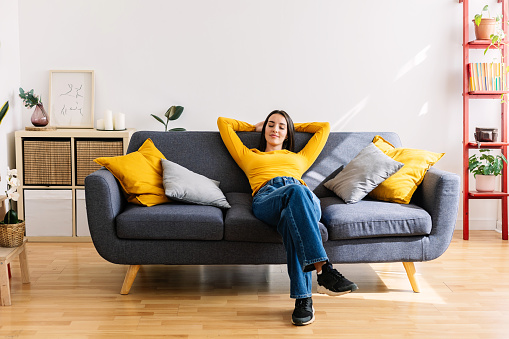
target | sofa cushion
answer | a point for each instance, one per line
(140, 174)
(401, 186)
(173, 221)
(240, 224)
(361, 175)
(182, 184)
(371, 218)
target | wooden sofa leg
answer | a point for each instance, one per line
(411, 273)
(129, 278)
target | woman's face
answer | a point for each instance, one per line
(275, 132)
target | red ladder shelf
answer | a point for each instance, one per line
(467, 143)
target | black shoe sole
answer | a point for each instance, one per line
(323, 290)
(298, 323)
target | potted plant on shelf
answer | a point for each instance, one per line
(12, 230)
(39, 117)
(485, 27)
(486, 167)
(173, 113)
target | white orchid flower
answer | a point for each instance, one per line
(14, 196)
(12, 189)
(13, 182)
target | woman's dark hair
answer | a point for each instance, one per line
(290, 132)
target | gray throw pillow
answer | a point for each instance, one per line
(184, 185)
(363, 174)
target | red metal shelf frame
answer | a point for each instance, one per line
(487, 195)
(492, 145)
(497, 1)
(482, 44)
(469, 145)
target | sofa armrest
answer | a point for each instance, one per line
(104, 200)
(439, 195)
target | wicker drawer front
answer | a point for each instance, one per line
(46, 162)
(88, 150)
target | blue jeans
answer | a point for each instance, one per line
(283, 202)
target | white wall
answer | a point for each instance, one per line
(9, 83)
(362, 65)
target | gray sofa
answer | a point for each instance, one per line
(183, 234)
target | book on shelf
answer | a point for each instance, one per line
(487, 77)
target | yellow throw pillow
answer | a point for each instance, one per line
(140, 173)
(401, 186)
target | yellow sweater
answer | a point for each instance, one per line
(259, 166)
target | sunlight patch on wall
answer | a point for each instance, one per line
(424, 109)
(415, 61)
(345, 119)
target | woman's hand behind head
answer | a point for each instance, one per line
(259, 126)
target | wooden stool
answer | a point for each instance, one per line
(7, 254)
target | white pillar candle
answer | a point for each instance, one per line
(100, 124)
(120, 121)
(115, 120)
(108, 120)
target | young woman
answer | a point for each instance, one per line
(282, 200)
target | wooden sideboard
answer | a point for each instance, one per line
(52, 166)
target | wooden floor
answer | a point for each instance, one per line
(75, 294)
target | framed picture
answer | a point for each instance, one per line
(71, 99)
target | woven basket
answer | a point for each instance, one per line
(11, 235)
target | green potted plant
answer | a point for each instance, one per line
(495, 33)
(39, 117)
(12, 229)
(173, 113)
(485, 27)
(486, 167)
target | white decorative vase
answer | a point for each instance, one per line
(485, 183)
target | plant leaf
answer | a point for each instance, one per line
(11, 217)
(477, 19)
(178, 129)
(176, 113)
(170, 112)
(158, 119)
(4, 110)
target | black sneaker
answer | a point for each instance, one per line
(333, 283)
(304, 313)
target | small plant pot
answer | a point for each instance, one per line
(485, 29)
(485, 183)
